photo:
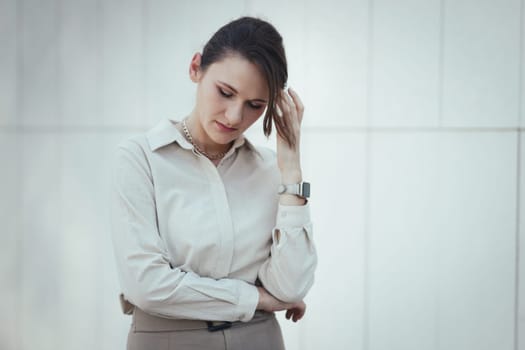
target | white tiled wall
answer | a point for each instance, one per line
(411, 141)
(481, 63)
(169, 91)
(405, 63)
(334, 63)
(10, 241)
(38, 62)
(40, 259)
(8, 62)
(122, 62)
(84, 192)
(402, 283)
(336, 164)
(477, 230)
(80, 76)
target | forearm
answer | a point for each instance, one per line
(170, 292)
(288, 272)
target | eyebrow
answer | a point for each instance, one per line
(234, 90)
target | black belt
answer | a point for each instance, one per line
(144, 322)
(218, 326)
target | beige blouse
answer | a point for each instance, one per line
(191, 239)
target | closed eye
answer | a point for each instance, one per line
(224, 93)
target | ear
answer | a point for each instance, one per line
(195, 68)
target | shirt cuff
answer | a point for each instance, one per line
(293, 215)
(248, 300)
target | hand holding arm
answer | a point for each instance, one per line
(268, 302)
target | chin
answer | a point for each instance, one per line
(219, 138)
(224, 140)
(219, 135)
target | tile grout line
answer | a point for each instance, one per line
(441, 61)
(521, 72)
(145, 31)
(366, 199)
(441, 87)
(517, 248)
(98, 19)
(101, 71)
(521, 110)
(60, 110)
(59, 36)
(438, 245)
(307, 129)
(366, 243)
(18, 172)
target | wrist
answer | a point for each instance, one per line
(291, 199)
(260, 303)
(291, 176)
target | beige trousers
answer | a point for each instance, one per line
(149, 332)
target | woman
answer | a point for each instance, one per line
(208, 241)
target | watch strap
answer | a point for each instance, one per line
(299, 189)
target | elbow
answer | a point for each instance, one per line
(140, 299)
(288, 285)
(291, 297)
(148, 285)
(144, 299)
(293, 291)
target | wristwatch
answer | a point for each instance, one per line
(301, 189)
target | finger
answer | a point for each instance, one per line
(292, 109)
(278, 111)
(278, 106)
(298, 103)
(300, 315)
(283, 107)
(290, 103)
(282, 102)
(289, 99)
(296, 99)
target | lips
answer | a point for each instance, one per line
(224, 127)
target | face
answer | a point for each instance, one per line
(231, 95)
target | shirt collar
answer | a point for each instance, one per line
(165, 133)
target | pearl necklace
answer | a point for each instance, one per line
(190, 138)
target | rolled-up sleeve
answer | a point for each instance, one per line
(147, 277)
(288, 273)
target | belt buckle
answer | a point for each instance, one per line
(212, 327)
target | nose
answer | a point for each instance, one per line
(234, 114)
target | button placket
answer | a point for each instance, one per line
(224, 219)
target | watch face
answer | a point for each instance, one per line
(306, 189)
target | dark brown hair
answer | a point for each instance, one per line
(260, 43)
